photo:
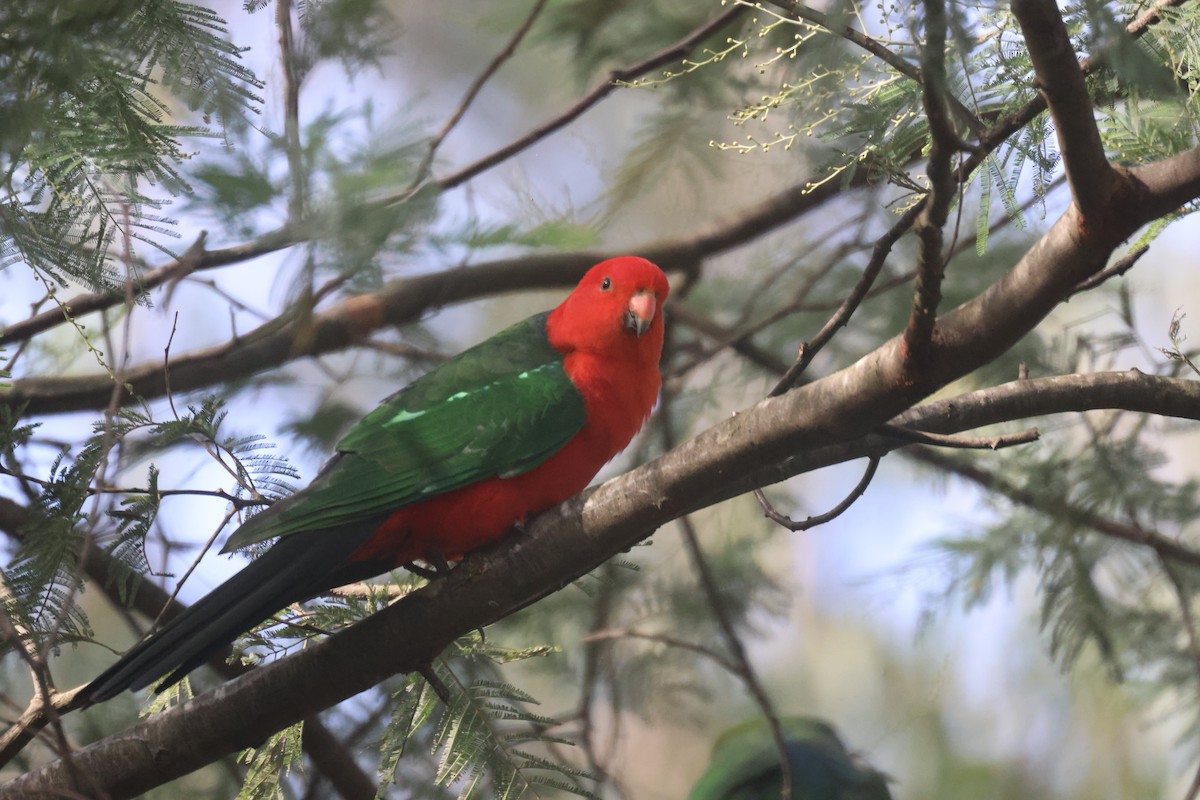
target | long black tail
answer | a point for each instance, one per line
(297, 567)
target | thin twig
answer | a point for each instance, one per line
(960, 442)
(192, 258)
(743, 332)
(192, 567)
(929, 225)
(712, 594)
(1118, 267)
(221, 494)
(595, 658)
(744, 669)
(876, 48)
(614, 79)
(1134, 534)
(820, 519)
(808, 350)
(473, 91)
(701, 323)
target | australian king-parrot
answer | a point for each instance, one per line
(507, 428)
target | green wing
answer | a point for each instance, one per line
(496, 410)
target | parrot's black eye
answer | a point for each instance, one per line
(606, 284)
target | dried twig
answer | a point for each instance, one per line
(820, 519)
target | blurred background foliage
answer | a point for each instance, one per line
(964, 627)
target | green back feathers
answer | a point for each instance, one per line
(496, 410)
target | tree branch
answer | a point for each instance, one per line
(931, 262)
(1061, 81)
(879, 255)
(819, 519)
(473, 91)
(876, 48)
(401, 301)
(291, 111)
(291, 234)
(561, 545)
(722, 462)
(668, 55)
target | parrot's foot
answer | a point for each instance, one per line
(427, 574)
(438, 567)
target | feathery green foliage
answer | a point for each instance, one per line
(133, 522)
(45, 573)
(271, 763)
(1099, 594)
(88, 88)
(483, 735)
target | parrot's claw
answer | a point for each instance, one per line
(437, 568)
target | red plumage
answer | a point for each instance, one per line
(617, 375)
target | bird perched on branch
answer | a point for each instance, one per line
(510, 427)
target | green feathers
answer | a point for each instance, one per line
(496, 410)
(745, 765)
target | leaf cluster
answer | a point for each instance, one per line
(486, 741)
(1102, 595)
(88, 89)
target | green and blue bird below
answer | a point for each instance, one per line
(745, 765)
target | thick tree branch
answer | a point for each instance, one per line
(931, 262)
(560, 546)
(1061, 81)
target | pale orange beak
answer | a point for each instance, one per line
(642, 308)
